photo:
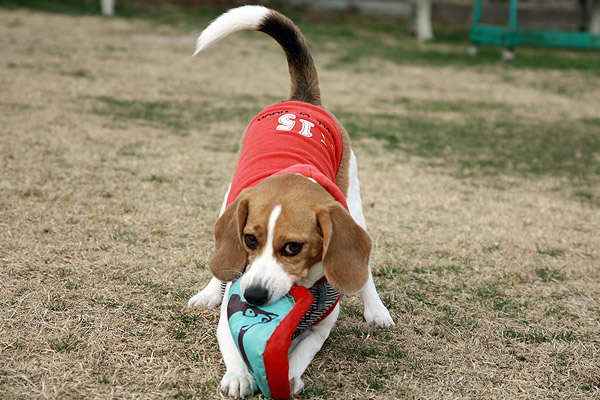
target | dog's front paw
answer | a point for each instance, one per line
(296, 385)
(207, 296)
(238, 384)
(379, 317)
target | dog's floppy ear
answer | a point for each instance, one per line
(229, 258)
(346, 249)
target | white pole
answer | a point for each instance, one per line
(423, 20)
(108, 7)
(594, 25)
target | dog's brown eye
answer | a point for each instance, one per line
(251, 241)
(291, 249)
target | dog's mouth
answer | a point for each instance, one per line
(261, 292)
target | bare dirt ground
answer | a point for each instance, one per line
(116, 149)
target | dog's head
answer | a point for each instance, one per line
(279, 230)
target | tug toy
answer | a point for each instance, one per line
(263, 334)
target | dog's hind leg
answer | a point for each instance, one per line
(375, 311)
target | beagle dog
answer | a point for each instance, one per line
(293, 212)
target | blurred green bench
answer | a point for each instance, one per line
(511, 36)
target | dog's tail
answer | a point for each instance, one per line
(305, 82)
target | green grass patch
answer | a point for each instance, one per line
(352, 331)
(455, 106)
(157, 287)
(491, 296)
(362, 353)
(439, 270)
(491, 248)
(593, 122)
(421, 296)
(550, 252)
(65, 344)
(316, 391)
(130, 149)
(103, 379)
(158, 179)
(55, 303)
(451, 316)
(395, 353)
(71, 286)
(386, 270)
(547, 274)
(555, 310)
(178, 117)
(79, 73)
(160, 113)
(540, 336)
(375, 384)
(477, 146)
(351, 311)
(587, 197)
(110, 303)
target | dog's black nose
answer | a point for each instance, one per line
(256, 295)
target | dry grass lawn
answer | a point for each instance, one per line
(480, 184)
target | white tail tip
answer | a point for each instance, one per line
(237, 19)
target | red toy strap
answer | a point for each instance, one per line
(275, 356)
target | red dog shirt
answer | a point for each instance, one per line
(290, 137)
